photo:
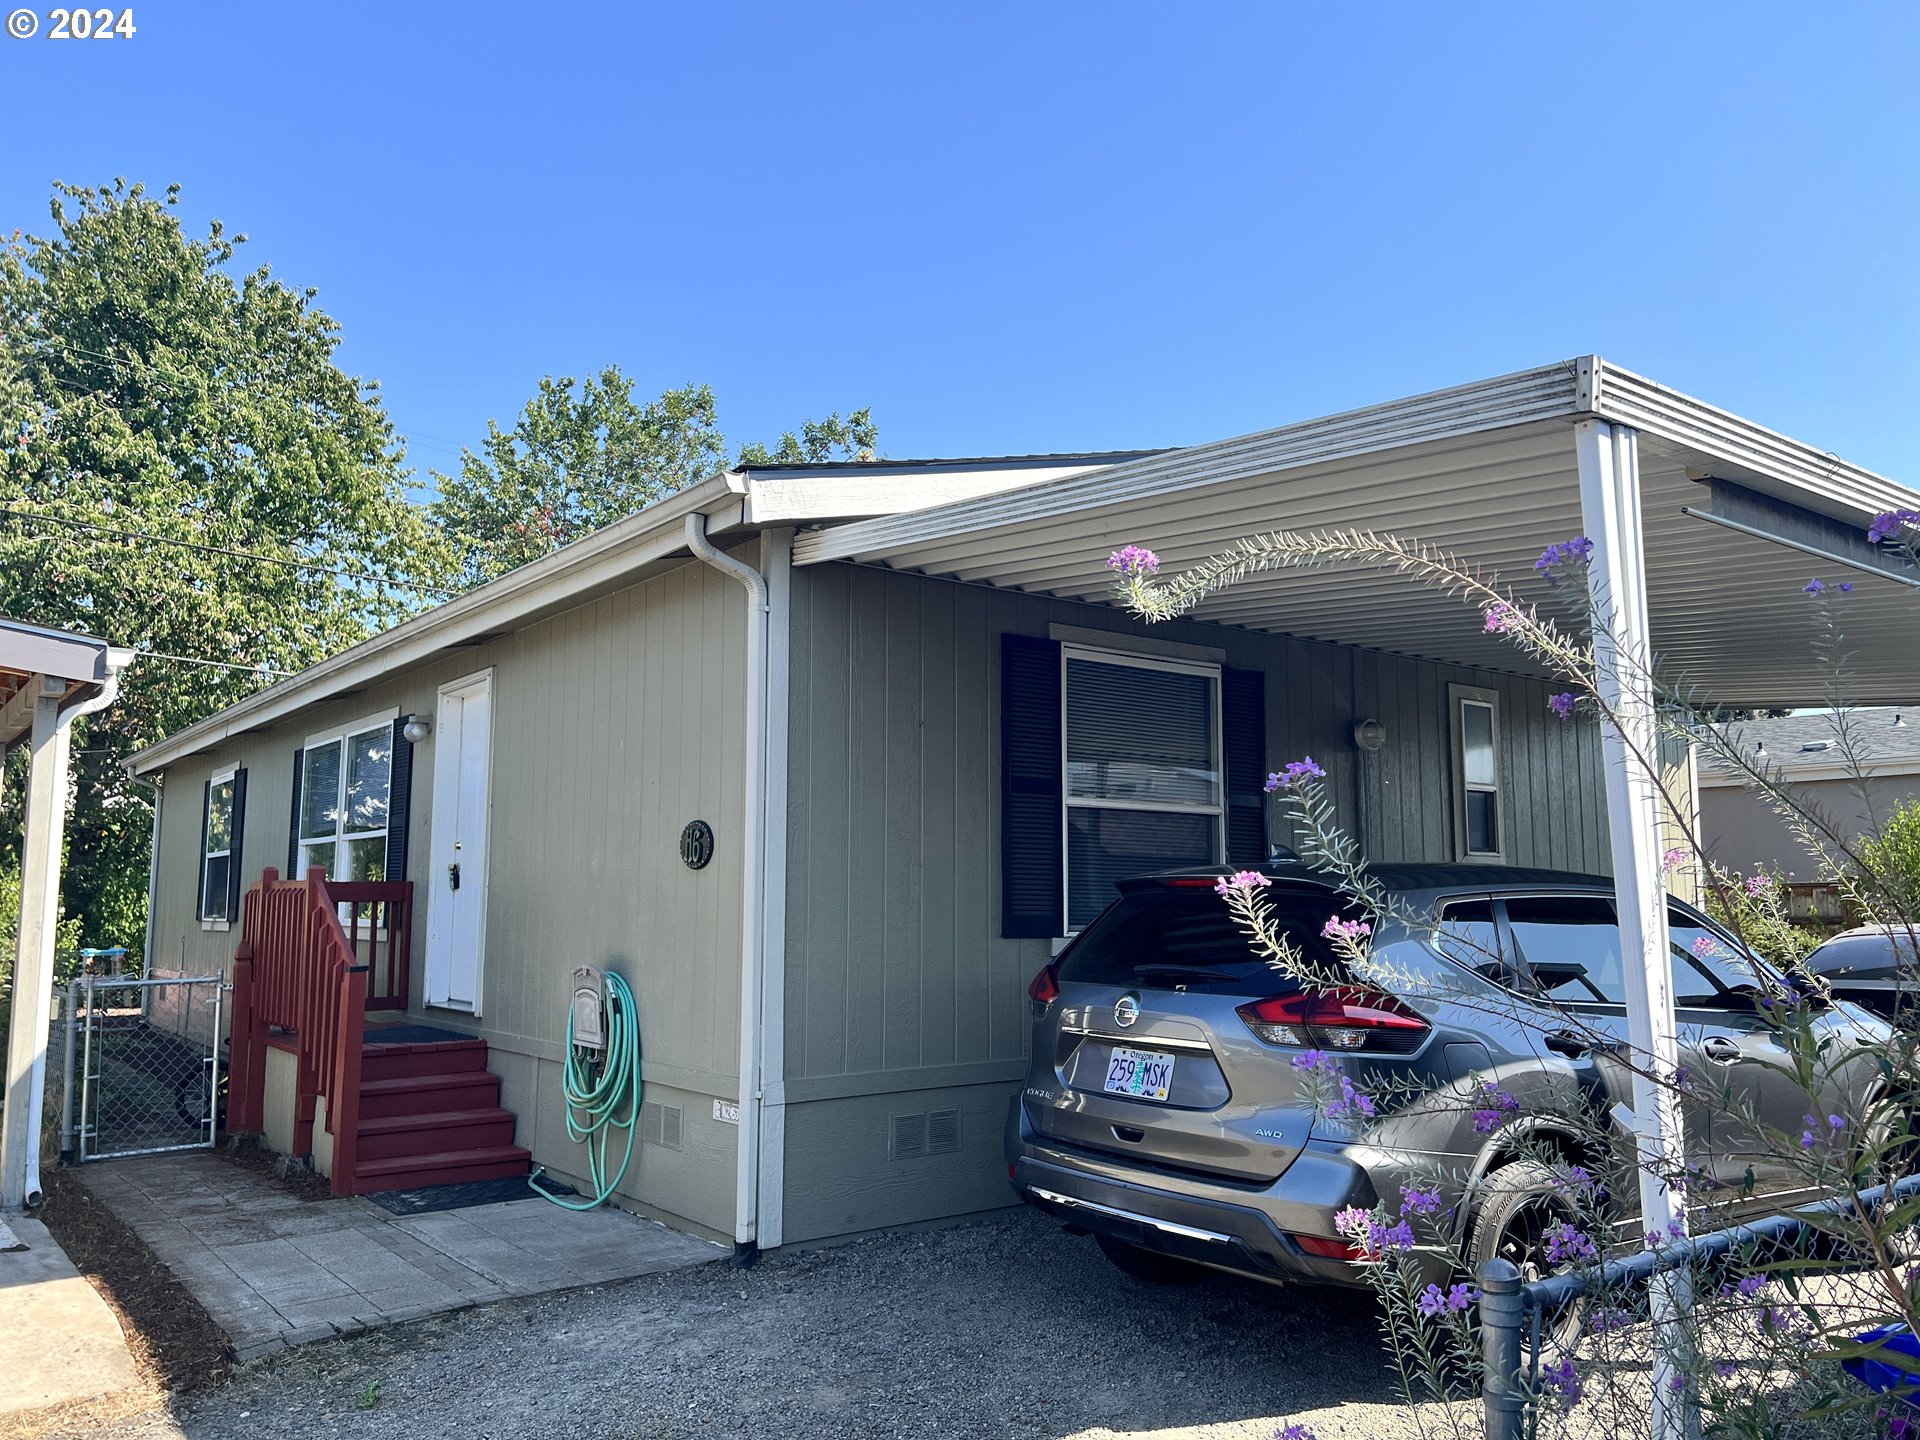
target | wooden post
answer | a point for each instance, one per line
(343, 1102)
(246, 1050)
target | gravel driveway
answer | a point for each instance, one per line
(1005, 1327)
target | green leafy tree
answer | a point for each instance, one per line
(1892, 859)
(186, 470)
(854, 438)
(583, 454)
(578, 458)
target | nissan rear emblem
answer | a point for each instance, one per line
(1126, 1010)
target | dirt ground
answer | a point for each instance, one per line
(1003, 1327)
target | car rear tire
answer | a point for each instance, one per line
(1144, 1264)
(1519, 1203)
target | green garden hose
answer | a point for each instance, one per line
(603, 1093)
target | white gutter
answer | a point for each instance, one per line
(753, 845)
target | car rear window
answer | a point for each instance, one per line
(1863, 956)
(1161, 937)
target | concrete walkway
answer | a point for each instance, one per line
(58, 1340)
(273, 1270)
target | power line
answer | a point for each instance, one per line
(212, 664)
(30, 518)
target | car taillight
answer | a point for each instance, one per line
(1336, 1020)
(1329, 1247)
(1045, 988)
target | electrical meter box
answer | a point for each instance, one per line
(589, 1008)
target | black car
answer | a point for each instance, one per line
(1874, 967)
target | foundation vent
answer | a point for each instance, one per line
(660, 1124)
(935, 1132)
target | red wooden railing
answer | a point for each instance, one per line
(302, 970)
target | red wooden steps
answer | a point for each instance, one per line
(430, 1114)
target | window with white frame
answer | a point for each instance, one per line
(1142, 768)
(1477, 822)
(345, 786)
(217, 859)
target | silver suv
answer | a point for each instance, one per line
(1164, 1114)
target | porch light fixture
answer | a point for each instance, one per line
(417, 728)
(1370, 736)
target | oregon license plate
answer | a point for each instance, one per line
(1143, 1074)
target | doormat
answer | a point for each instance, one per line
(429, 1199)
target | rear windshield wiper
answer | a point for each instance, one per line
(1163, 970)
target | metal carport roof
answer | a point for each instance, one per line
(1487, 471)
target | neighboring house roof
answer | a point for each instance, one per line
(1871, 741)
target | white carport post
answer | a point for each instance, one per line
(44, 835)
(1610, 511)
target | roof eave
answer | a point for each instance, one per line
(577, 570)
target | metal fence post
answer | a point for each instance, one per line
(66, 1073)
(1503, 1311)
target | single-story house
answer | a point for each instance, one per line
(1853, 768)
(925, 743)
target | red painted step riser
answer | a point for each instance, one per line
(474, 1135)
(377, 1064)
(480, 1093)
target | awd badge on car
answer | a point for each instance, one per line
(1126, 1010)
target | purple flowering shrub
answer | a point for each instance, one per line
(1753, 1351)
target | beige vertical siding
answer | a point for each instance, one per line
(1743, 832)
(614, 724)
(901, 995)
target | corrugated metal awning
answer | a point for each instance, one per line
(1487, 472)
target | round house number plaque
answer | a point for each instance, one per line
(696, 844)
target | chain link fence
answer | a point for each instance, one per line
(143, 1065)
(1775, 1329)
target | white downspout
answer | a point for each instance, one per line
(753, 880)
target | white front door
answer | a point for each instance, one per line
(456, 881)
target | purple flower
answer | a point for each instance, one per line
(1501, 618)
(1846, 587)
(1561, 704)
(1133, 560)
(1419, 1202)
(1352, 931)
(1353, 1222)
(1705, 946)
(1243, 881)
(1575, 1178)
(1397, 1236)
(1435, 1301)
(1564, 1379)
(1295, 773)
(1816, 587)
(1351, 1101)
(1751, 1285)
(1563, 552)
(1294, 1432)
(1725, 1369)
(1568, 1246)
(1758, 885)
(1890, 523)
(1673, 859)
(1316, 1062)
(1495, 1106)
(1603, 1319)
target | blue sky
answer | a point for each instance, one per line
(1039, 227)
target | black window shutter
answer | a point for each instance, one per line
(237, 838)
(1032, 902)
(399, 800)
(1243, 734)
(293, 820)
(206, 814)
